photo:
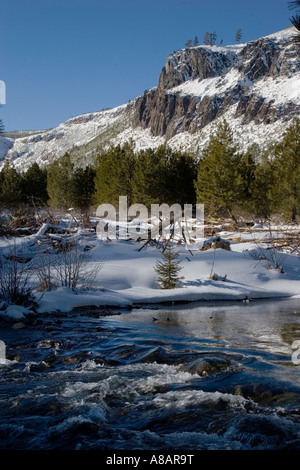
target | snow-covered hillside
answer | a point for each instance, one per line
(255, 86)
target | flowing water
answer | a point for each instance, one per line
(197, 376)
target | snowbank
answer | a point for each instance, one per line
(127, 277)
(14, 312)
(64, 300)
(125, 273)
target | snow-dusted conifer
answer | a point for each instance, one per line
(168, 269)
(218, 181)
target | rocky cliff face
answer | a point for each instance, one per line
(201, 84)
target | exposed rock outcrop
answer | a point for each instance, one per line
(202, 83)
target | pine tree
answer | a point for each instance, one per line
(285, 189)
(188, 43)
(114, 174)
(164, 155)
(107, 176)
(238, 36)
(83, 187)
(59, 182)
(295, 20)
(261, 200)
(196, 41)
(246, 177)
(146, 180)
(164, 176)
(213, 38)
(2, 127)
(207, 39)
(168, 269)
(181, 171)
(10, 186)
(210, 39)
(34, 184)
(127, 169)
(218, 180)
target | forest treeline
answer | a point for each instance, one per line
(225, 179)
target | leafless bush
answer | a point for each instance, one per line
(270, 248)
(14, 278)
(66, 268)
(44, 272)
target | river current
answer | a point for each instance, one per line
(198, 376)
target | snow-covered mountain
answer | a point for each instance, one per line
(255, 86)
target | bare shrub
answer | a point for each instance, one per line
(65, 268)
(14, 278)
(44, 272)
(269, 247)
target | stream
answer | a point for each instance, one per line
(195, 376)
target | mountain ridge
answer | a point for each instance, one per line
(200, 84)
(255, 86)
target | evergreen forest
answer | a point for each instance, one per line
(228, 181)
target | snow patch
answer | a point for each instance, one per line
(14, 312)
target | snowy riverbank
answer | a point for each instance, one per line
(125, 275)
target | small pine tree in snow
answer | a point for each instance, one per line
(168, 269)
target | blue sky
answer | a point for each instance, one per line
(62, 58)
